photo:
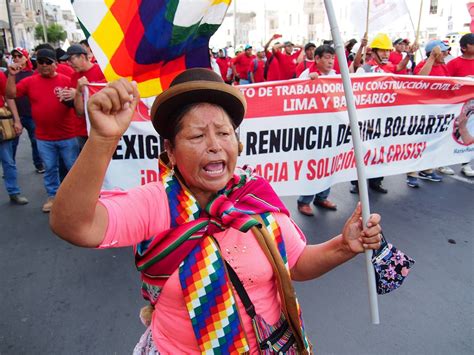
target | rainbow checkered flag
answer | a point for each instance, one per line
(150, 41)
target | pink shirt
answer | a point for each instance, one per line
(142, 212)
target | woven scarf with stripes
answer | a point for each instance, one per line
(188, 245)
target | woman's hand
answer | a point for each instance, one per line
(357, 238)
(111, 109)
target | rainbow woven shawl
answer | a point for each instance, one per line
(189, 246)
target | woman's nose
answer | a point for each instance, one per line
(213, 144)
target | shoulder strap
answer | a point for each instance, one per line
(285, 286)
(239, 287)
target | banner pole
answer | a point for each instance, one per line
(417, 35)
(356, 140)
(366, 30)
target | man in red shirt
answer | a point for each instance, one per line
(397, 56)
(271, 71)
(464, 66)
(257, 66)
(436, 52)
(434, 65)
(241, 64)
(84, 73)
(308, 60)
(287, 59)
(223, 62)
(55, 129)
(323, 65)
(379, 62)
(21, 57)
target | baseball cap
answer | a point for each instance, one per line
(309, 45)
(397, 41)
(259, 49)
(21, 51)
(46, 53)
(74, 49)
(431, 44)
(247, 46)
(288, 43)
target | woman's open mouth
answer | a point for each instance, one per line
(214, 168)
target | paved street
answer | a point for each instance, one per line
(59, 299)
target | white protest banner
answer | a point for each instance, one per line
(381, 16)
(296, 133)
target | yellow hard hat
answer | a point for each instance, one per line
(381, 41)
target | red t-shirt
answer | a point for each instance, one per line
(64, 69)
(242, 63)
(273, 71)
(301, 67)
(381, 68)
(93, 75)
(287, 64)
(53, 119)
(258, 71)
(461, 67)
(223, 64)
(395, 58)
(436, 70)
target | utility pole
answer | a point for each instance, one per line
(10, 22)
(43, 23)
(235, 24)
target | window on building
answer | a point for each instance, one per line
(311, 19)
(290, 21)
(433, 7)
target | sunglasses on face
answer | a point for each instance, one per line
(42, 61)
(17, 55)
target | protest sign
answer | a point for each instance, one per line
(296, 133)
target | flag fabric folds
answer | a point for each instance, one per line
(150, 41)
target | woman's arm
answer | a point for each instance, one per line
(76, 216)
(318, 259)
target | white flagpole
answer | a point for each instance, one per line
(356, 140)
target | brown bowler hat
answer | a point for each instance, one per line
(194, 86)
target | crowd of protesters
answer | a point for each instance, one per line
(382, 55)
(44, 92)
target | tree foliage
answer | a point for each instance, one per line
(55, 33)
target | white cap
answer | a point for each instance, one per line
(259, 49)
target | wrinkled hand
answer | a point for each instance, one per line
(111, 109)
(313, 76)
(14, 69)
(357, 238)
